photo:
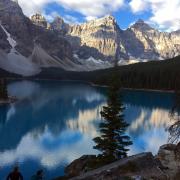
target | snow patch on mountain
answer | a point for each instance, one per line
(91, 63)
(11, 41)
(131, 61)
(14, 62)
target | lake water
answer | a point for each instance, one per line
(53, 123)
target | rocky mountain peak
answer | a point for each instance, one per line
(58, 19)
(26, 44)
(16, 1)
(40, 20)
(95, 40)
(176, 32)
(104, 21)
(104, 24)
(141, 25)
(8, 6)
(140, 21)
(15, 22)
(98, 36)
(59, 24)
(108, 18)
(149, 43)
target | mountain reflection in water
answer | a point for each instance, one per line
(53, 123)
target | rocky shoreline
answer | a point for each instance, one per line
(164, 166)
(8, 101)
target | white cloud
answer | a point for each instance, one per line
(50, 17)
(71, 19)
(138, 5)
(165, 13)
(67, 18)
(48, 158)
(33, 6)
(89, 18)
(88, 8)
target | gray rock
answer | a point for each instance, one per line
(101, 35)
(59, 25)
(26, 34)
(141, 166)
(169, 157)
(149, 43)
(140, 41)
(40, 20)
(79, 166)
(96, 40)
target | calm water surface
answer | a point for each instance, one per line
(54, 123)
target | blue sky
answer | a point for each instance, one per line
(163, 14)
(124, 15)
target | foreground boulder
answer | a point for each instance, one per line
(79, 166)
(164, 166)
(169, 155)
(141, 166)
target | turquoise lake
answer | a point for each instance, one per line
(53, 123)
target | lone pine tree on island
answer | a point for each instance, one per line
(113, 141)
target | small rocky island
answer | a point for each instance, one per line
(4, 98)
(164, 166)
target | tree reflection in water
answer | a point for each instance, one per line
(174, 129)
(3, 114)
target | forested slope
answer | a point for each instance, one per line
(150, 75)
(164, 75)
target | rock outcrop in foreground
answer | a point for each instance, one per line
(164, 166)
(169, 156)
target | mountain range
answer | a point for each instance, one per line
(29, 44)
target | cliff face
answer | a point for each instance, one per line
(40, 20)
(140, 41)
(13, 19)
(59, 25)
(20, 37)
(144, 42)
(85, 47)
(102, 35)
(26, 33)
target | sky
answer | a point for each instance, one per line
(161, 14)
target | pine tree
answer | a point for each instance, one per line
(3, 89)
(174, 129)
(113, 141)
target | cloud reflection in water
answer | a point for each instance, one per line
(54, 123)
